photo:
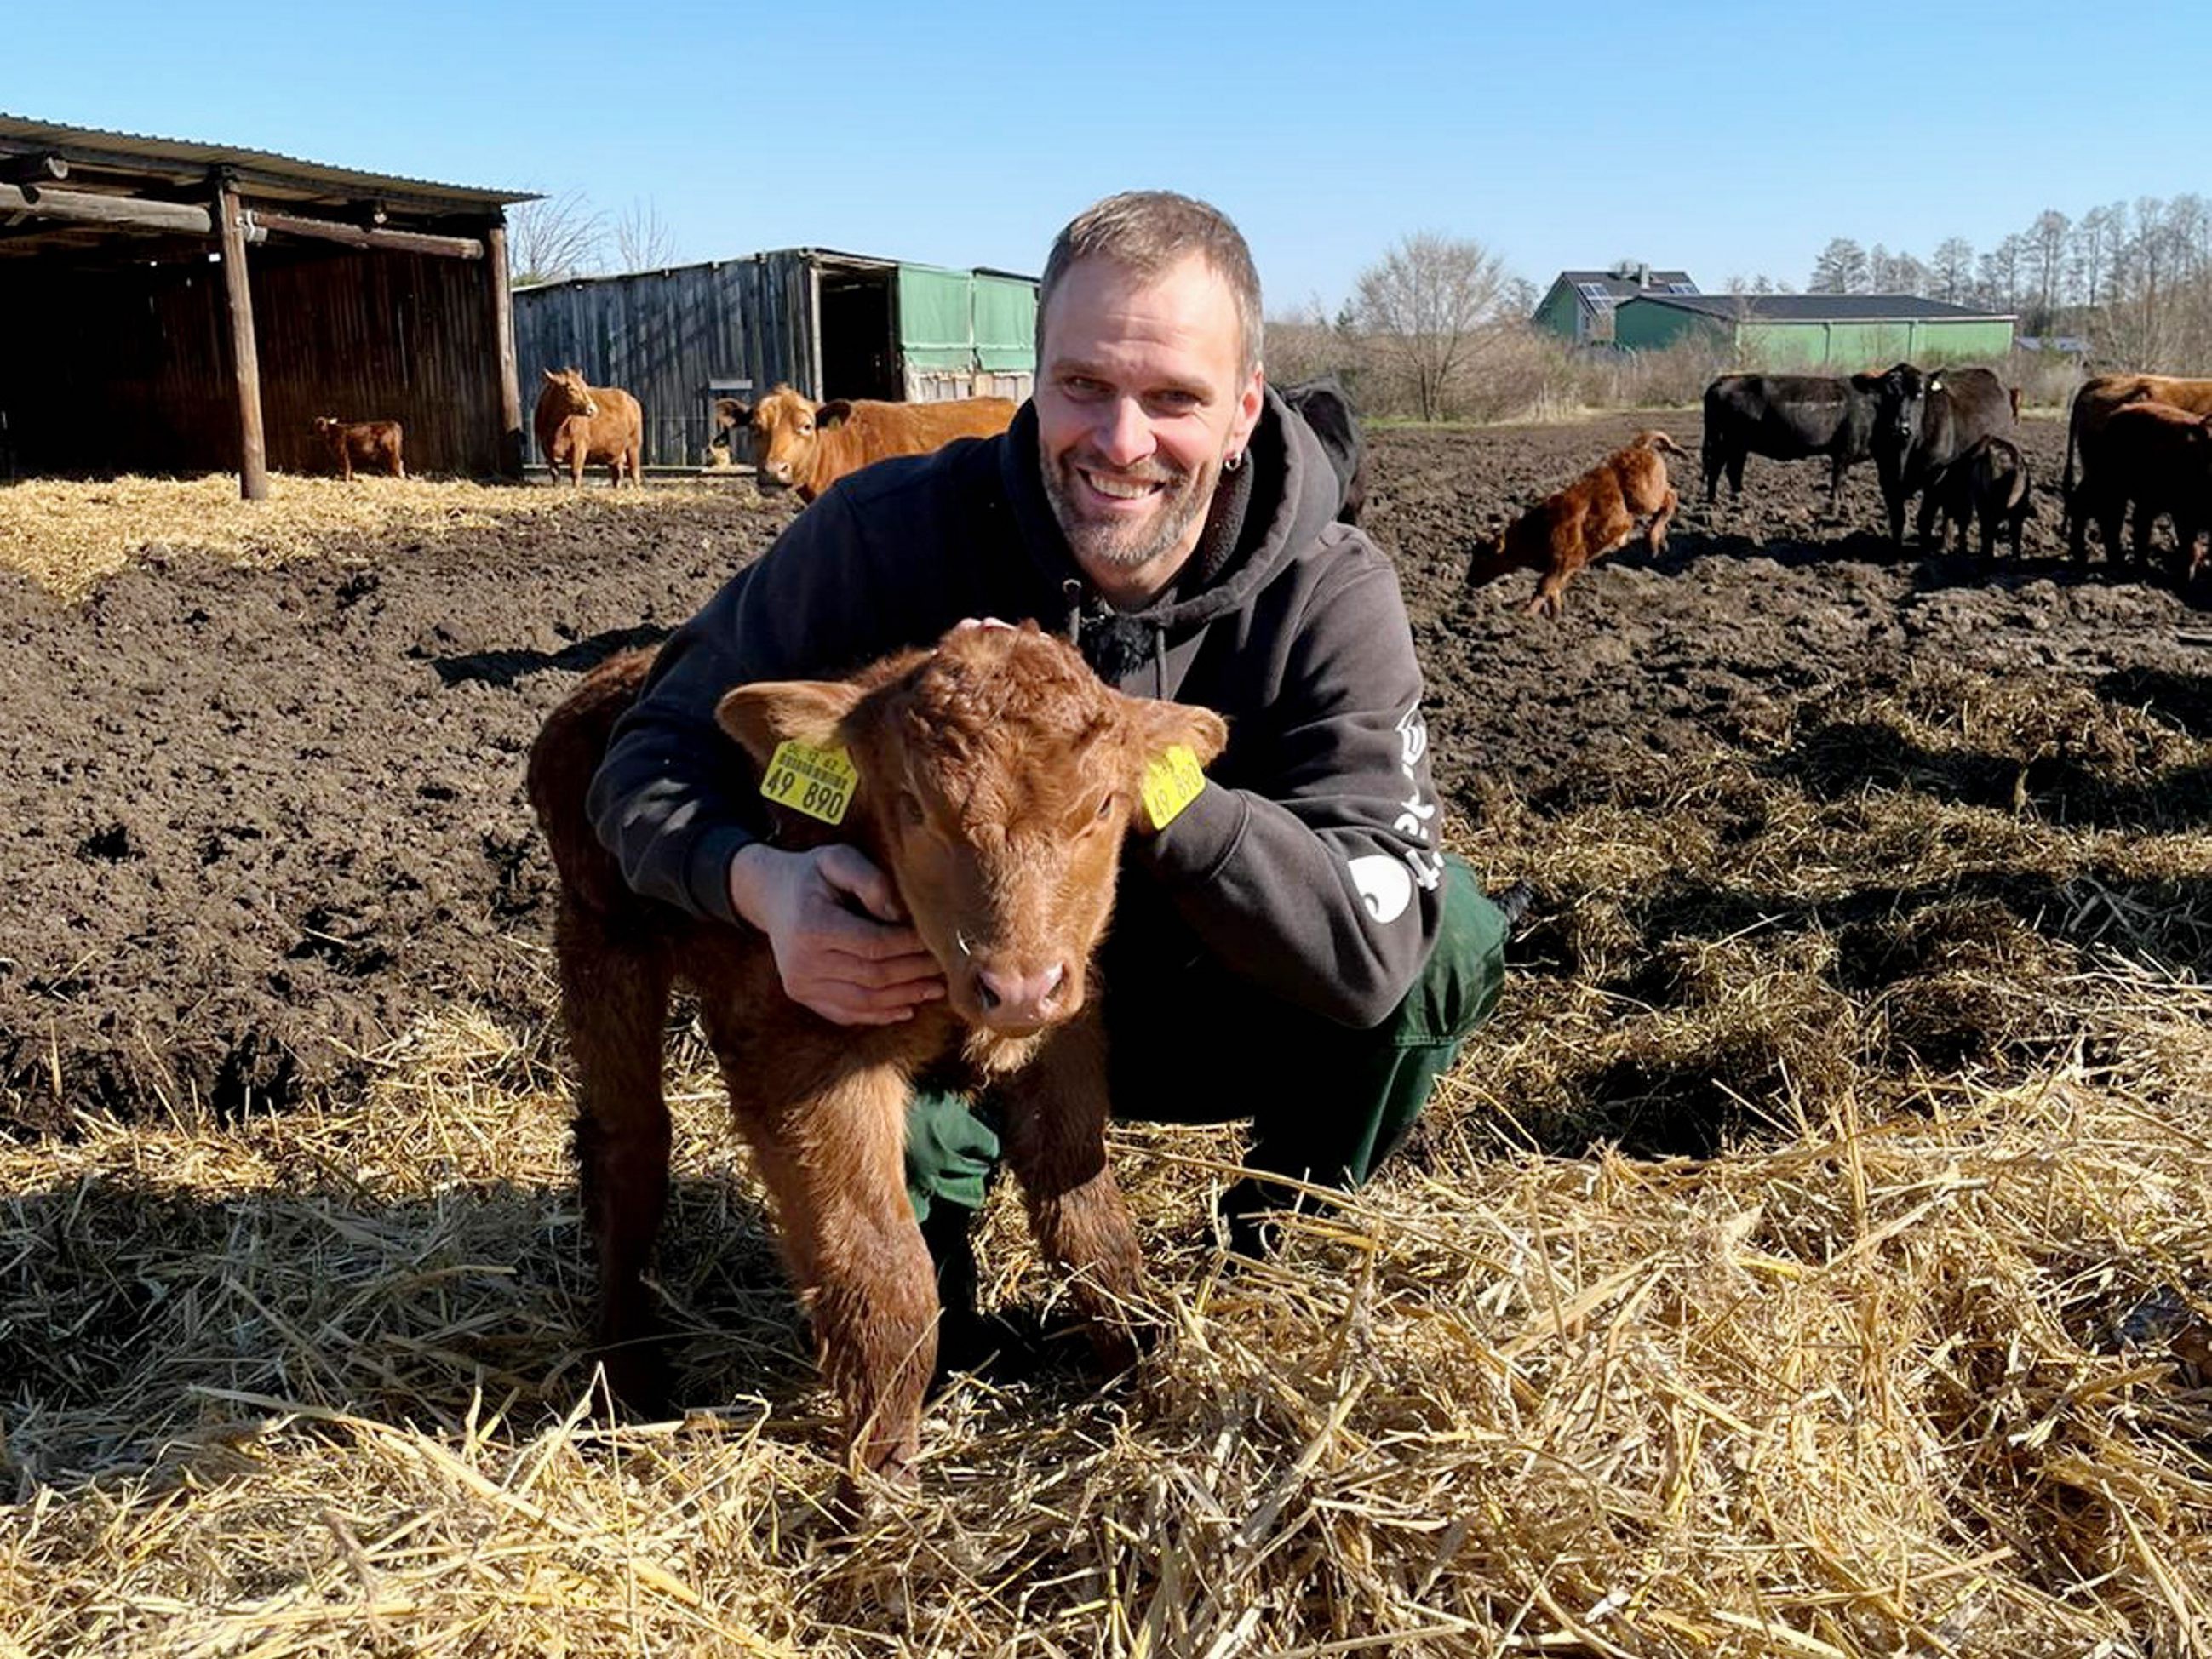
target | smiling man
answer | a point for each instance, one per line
(1294, 947)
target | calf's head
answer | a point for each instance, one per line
(998, 779)
(570, 393)
(784, 425)
(1521, 545)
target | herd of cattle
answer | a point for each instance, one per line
(2132, 441)
(1947, 437)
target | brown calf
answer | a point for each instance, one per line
(373, 443)
(808, 446)
(997, 780)
(578, 424)
(1584, 522)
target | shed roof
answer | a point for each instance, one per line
(1820, 307)
(115, 161)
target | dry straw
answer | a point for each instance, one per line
(66, 536)
(1811, 1261)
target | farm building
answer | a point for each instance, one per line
(1578, 305)
(1843, 332)
(831, 325)
(198, 304)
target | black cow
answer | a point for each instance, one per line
(1926, 420)
(1987, 486)
(1787, 417)
(1326, 408)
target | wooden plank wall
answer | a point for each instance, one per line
(663, 336)
(129, 367)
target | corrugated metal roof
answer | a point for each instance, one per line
(1820, 307)
(127, 152)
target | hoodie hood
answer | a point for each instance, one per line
(1262, 515)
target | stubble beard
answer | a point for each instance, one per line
(1118, 546)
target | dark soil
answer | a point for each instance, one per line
(262, 822)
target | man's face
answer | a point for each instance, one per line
(1139, 396)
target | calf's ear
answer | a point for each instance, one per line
(1160, 725)
(805, 711)
(835, 412)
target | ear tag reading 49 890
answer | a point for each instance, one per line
(818, 782)
(1172, 781)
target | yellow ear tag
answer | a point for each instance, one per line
(1172, 781)
(818, 782)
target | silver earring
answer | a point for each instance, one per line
(1230, 464)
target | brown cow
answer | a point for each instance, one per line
(1585, 521)
(577, 423)
(996, 779)
(2094, 404)
(808, 446)
(373, 443)
(2159, 457)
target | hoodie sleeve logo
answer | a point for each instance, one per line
(1386, 882)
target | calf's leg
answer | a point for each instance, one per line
(833, 1161)
(1054, 1138)
(1654, 534)
(614, 998)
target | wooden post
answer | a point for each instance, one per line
(511, 449)
(244, 360)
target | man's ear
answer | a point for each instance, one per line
(1157, 726)
(809, 711)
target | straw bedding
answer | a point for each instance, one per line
(1811, 1259)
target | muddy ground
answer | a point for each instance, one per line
(261, 822)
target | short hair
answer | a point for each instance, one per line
(1148, 232)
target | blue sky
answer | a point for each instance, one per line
(1726, 138)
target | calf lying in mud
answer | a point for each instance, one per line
(994, 779)
(1587, 519)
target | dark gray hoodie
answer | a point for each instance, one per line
(1310, 864)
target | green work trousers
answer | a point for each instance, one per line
(1327, 1102)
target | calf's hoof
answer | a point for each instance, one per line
(639, 1377)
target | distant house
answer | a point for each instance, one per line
(1838, 333)
(1578, 305)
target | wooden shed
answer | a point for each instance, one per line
(181, 306)
(831, 325)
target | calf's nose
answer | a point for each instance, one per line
(1021, 998)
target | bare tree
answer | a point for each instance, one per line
(2046, 258)
(643, 240)
(2092, 256)
(1841, 269)
(1422, 306)
(1952, 269)
(553, 238)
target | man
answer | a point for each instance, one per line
(1293, 947)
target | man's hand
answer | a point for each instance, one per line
(841, 942)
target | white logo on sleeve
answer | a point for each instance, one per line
(1386, 881)
(1385, 884)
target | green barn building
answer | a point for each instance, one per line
(1578, 305)
(1820, 333)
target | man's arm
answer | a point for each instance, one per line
(1320, 879)
(670, 799)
